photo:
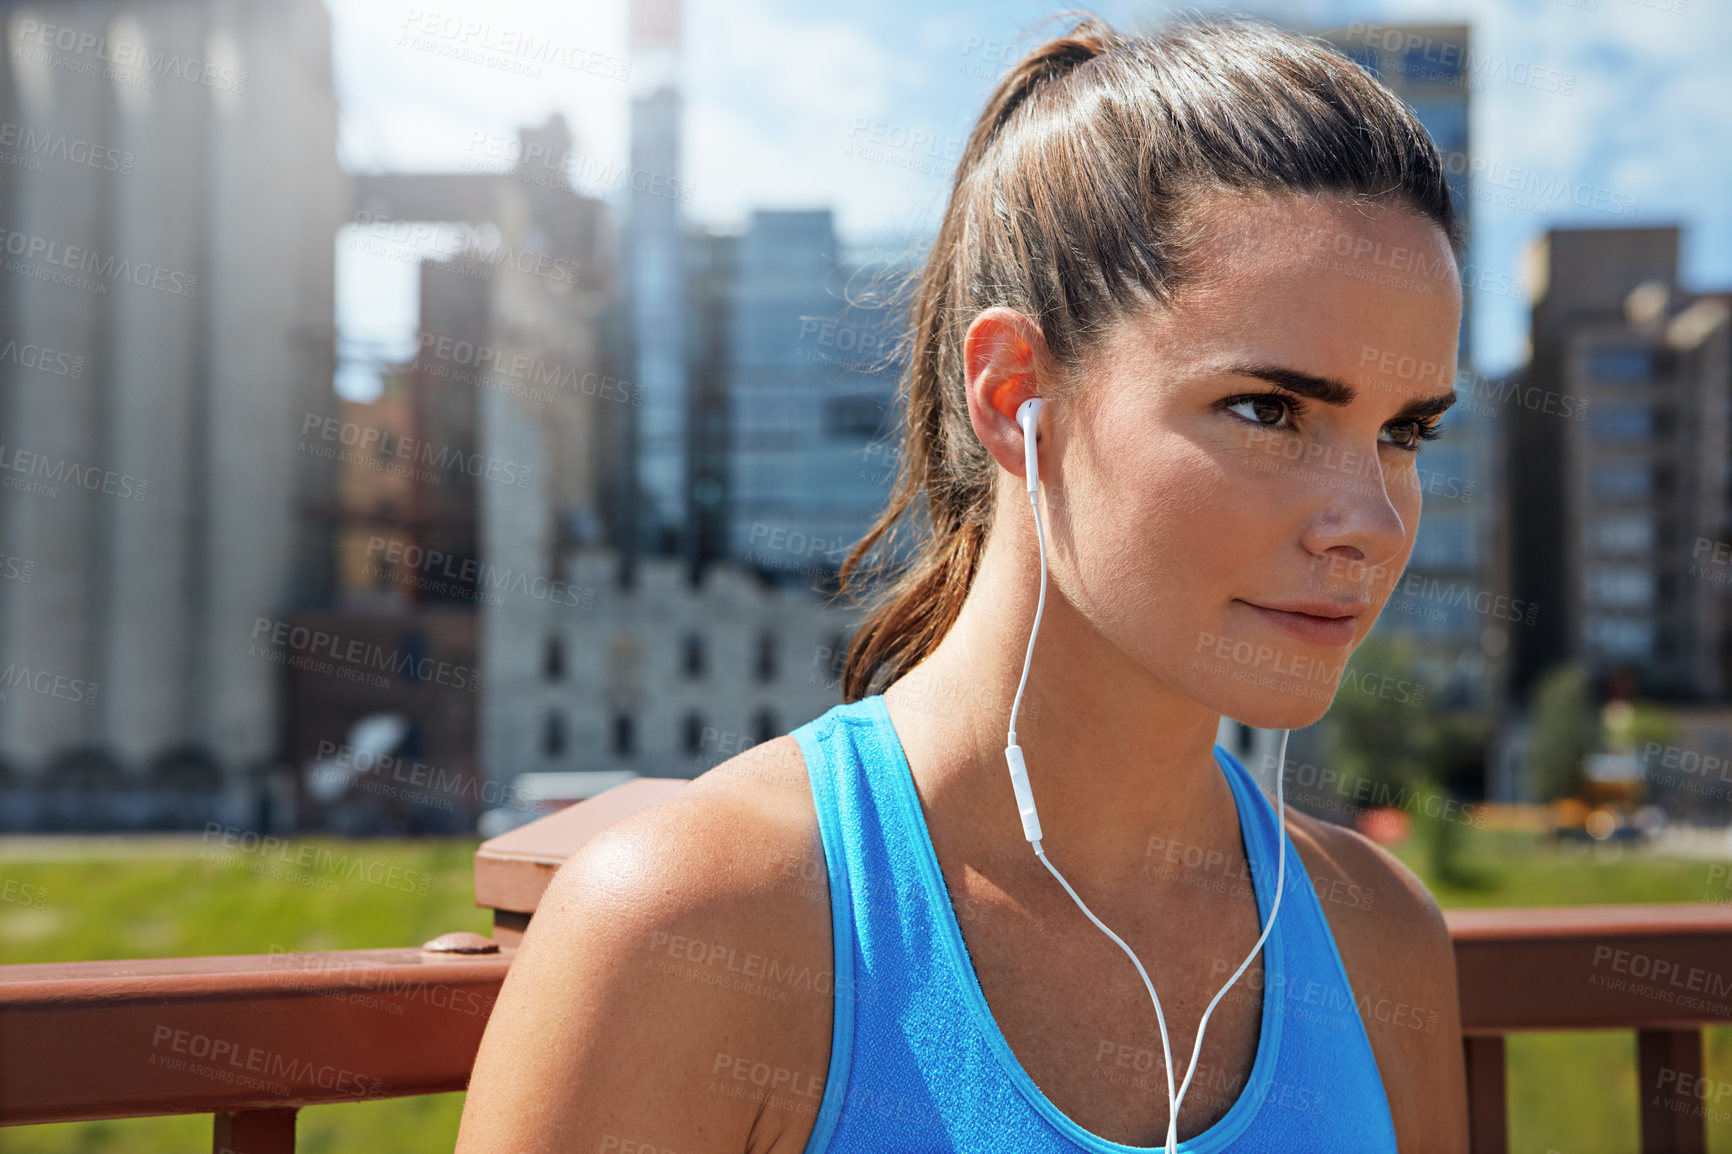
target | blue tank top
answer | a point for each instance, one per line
(917, 1061)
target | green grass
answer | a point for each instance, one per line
(415, 1125)
(1507, 869)
(168, 903)
(1569, 1093)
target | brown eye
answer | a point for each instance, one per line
(1261, 406)
(1417, 431)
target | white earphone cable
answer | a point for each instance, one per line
(1174, 1099)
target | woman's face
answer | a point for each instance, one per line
(1243, 465)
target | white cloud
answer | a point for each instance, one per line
(415, 88)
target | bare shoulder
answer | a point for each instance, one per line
(726, 836)
(1400, 962)
(717, 856)
(1338, 853)
(677, 955)
(1386, 923)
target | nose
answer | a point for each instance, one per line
(1354, 517)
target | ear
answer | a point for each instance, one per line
(1004, 357)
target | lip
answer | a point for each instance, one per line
(1319, 622)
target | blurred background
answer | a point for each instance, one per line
(413, 420)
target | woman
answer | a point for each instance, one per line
(1224, 258)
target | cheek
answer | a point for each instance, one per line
(1160, 527)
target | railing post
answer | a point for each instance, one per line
(1669, 1063)
(254, 1132)
(1487, 1094)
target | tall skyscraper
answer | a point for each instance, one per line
(656, 277)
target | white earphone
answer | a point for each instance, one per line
(1027, 416)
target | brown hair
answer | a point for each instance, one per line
(1073, 203)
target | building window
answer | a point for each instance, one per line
(1624, 534)
(1621, 480)
(622, 734)
(1620, 585)
(553, 735)
(553, 660)
(1446, 121)
(1621, 637)
(694, 732)
(766, 656)
(1439, 618)
(1617, 424)
(414, 650)
(1446, 471)
(1620, 364)
(763, 726)
(694, 654)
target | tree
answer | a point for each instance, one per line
(1383, 728)
(1378, 719)
(1566, 729)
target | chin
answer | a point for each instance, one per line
(1267, 679)
(1281, 704)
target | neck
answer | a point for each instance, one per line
(1116, 757)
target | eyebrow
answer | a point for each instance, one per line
(1330, 391)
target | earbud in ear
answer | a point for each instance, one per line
(1027, 414)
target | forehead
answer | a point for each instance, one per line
(1314, 283)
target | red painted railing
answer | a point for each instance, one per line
(252, 1039)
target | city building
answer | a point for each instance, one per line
(165, 345)
(664, 665)
(658, 677)
(1617, 462)
(500, 446)
(813, 406)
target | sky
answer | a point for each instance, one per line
(1625, 105)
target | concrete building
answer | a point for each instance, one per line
(659, 678)
(169, 199)
(1617, 459)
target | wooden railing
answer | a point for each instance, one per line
(1664, 971)
(252, 1039)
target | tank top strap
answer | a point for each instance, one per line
(1265, 847)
